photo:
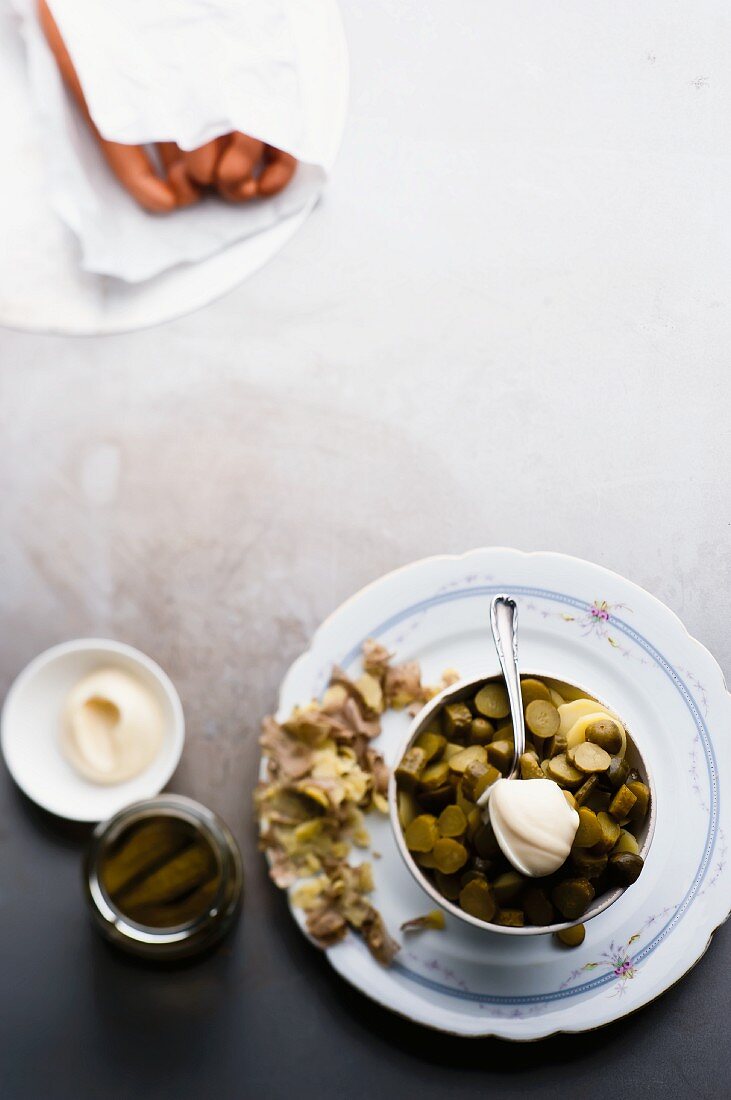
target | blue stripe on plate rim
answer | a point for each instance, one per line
(682, 688)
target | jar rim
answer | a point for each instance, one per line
(182, 938)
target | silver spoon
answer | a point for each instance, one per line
(504, 623)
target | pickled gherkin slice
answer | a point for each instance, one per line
(564, 773)
(409, 771)
(531, 689)
(434, 776)
(507, 887)
(510, 918)
(449, 855)
(626, 843)
(589, 831)
(585, 790)
(500, 754)
(448, 885)
(537, 906)
(572, 897)
(431, 743)
(588, 864)
(422, 833)
(609, 832)
(625, 868)
(477, 778)
(477, 899)
(451, 822)
(457, 719)
(542, 718)
(408, 808)
(642, 793)
(492, 701)
(529, 767)
(606, 733)
(622, 803)
(589, 758)
(572, 937)
(461, 760)
(481, 731)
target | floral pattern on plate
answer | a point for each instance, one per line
(628, 649)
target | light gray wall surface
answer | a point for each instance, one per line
(506, 323)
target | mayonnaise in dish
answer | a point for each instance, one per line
(533, 824)
(112, 726)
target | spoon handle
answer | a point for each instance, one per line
(504, 623)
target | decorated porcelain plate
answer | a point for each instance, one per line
(582, 623)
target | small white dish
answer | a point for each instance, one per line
(30, 730)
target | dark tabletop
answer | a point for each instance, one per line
(265, 1016)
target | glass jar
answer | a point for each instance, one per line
(163, 877)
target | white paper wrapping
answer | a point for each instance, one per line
(185, 71)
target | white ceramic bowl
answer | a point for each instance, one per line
(30, 729)
(456, 693)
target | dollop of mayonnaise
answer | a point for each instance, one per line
(533, 824)
(111, 726)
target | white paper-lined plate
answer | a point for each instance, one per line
(42, 286)
(579, 622)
